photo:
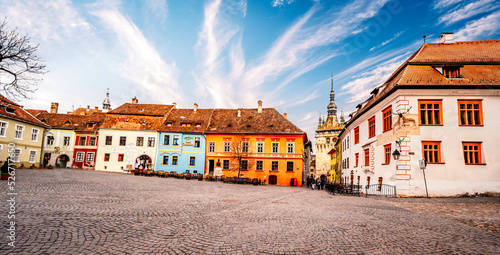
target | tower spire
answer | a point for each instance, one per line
(106, 104)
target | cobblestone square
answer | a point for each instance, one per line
(64, 211)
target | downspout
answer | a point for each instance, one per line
(42, 147)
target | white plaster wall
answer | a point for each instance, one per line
(130, 150)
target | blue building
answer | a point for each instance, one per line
(181, 141)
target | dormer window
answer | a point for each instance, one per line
(169, 124)
(198, 124)
(10, 110)
(451, 72)
(144, 123)
(185, 124)
(90, 125)
(126, 121)
(67, 122)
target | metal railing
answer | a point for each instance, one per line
(352, 190)
(380, 190)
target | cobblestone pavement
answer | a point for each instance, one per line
(87, 212)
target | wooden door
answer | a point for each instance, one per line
(273, 179)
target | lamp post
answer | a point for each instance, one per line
(397, 153)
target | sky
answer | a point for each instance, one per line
(232, 53)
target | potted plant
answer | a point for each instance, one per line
(21, 166)
(32, 166)
(50, 166)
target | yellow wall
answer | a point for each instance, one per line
(25, 144)
(283, 177)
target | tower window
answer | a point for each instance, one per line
(451, 72)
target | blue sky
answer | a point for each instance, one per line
(230, 54)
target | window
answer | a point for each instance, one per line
(275, 147)
(92, 141)
(274, 166)
(470, 112)
(66, 141)
(82, 140)
(176, 140)
(32, 158)
(140, 141)
(387, 154)
(106, 157)
(328, 140)
(34, 135)
(368, 181)
(259, 165)
(165, 160)
(90, 156)
(109, 140)
(174, 160)
(244, 147)
(225, 164)
(357, 159)
(387, 118)
(244, 165)
(356, 135)
(347, 144)
(211, 147)
(166, 140)
(151, 142)
(367, 157)
(3, 128)
(472, 153)
(192, 161)
(430, 112)
(379, 188)
(289, 166)
(15, 154)
(197, 142)
(79, 156)
(347, 163)
(371, 127)
(19, 132)
(451, 72)
(432, 152)
(227, 146)
(50, 140)
(123, 140)
(290, 147)
(260, 147)
(120, 157)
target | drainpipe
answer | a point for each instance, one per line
(45, 132)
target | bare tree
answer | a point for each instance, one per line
(19, 66)
(239, 152)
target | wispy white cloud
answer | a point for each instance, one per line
(468, 11)
(277, 3)
(398, 34)
(480, 29)
(156, 8)
(143, 66)
(441, 4)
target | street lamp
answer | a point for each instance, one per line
(397, 153)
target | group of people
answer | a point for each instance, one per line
(316, 183)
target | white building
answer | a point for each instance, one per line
(441, 105)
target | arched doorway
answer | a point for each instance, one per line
(62, 160)
(141, 162)
(273, 179)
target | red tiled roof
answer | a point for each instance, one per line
(11, 110)
(71, 121)
(459, 52)
(132, 122)
(35, 112)
(187, 121)
(142, 109)
(269, 121)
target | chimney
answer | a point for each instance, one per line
(259, 110)
(195, 107)
(96, 108)
(135, 100)
(285, 115)
(446, 38)
(239, 112)
(175, 104)
(54, 107)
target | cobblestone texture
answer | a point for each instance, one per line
(86, 212)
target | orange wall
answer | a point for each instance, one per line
(283, 177)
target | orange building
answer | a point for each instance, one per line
(257, 143)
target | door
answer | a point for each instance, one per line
(211, 163)
(61, 161)
(273, 179)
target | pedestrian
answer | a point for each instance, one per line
(45, 162)
(308, 181)
(312, 185)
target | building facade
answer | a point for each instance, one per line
(439, 106)
(255, 143)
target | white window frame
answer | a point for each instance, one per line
(260, 147)
(35, 133)
(64, 141)
(175, 141)
(211, 146)
(77, 157)
(19, 131)
(292, 146)
(277, 147)
(95, 141)
(34, 157)
(197, 142)
(3, 129)
(151, 142)
(87, 157)
(50, 142)
(227, 146)
(245, 146)
(124, 141)
(16, 157)
(110, 140)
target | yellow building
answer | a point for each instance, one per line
(20, 134)
(256, 143)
